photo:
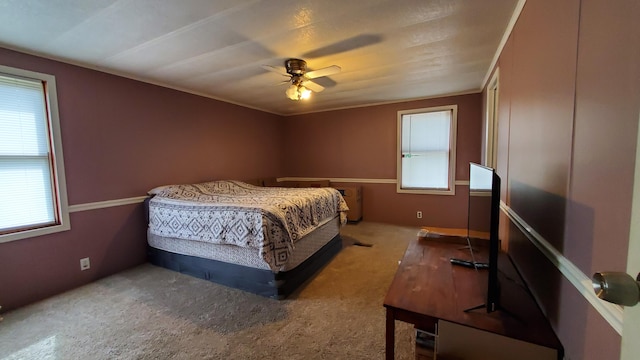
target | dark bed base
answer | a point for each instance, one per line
(257, 281)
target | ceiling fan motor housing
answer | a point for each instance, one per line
(296, 66)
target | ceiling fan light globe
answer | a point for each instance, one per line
(304, 92)
(292, 92)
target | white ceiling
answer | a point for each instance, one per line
(389, 50)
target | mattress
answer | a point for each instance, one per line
(249, 257)
(266, 221)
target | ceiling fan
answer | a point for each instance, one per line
(300, 79)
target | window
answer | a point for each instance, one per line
(33, 199)
(426, 150)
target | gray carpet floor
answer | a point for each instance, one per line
(152, 313)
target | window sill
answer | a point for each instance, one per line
(35, 232)
(451, 191)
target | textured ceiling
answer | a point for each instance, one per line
(389, 50)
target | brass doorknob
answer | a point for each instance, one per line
(617, 287)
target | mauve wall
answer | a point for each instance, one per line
(568, 114)
(120, 138)
(361, 143)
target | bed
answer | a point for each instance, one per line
(264, 240)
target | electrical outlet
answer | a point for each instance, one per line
(419, 214)
(85, 264)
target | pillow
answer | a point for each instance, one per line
(157, 190)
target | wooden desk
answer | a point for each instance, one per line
(427, 288)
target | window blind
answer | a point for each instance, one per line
(425, 150)
(26, 187)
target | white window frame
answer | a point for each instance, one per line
(57, 158)
(451, 190)
(491, 121)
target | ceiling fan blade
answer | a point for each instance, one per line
(313, 86)
(333, 69)
(276, 69)
(282, 82)
(350, 44)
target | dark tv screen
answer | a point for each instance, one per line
(483, 220)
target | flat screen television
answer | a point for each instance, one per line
(483, 221)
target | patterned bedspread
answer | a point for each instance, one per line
(269, 219)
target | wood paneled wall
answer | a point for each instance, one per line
(568, 115)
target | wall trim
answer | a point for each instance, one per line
(356, 180)
(138, 199)
(106, 204)
(428, 97)
(612, 313)
(347, 180)
(146, 80)
(507, 33)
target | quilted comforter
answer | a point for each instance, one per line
(269, 219)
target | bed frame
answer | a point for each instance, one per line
(258, 281)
